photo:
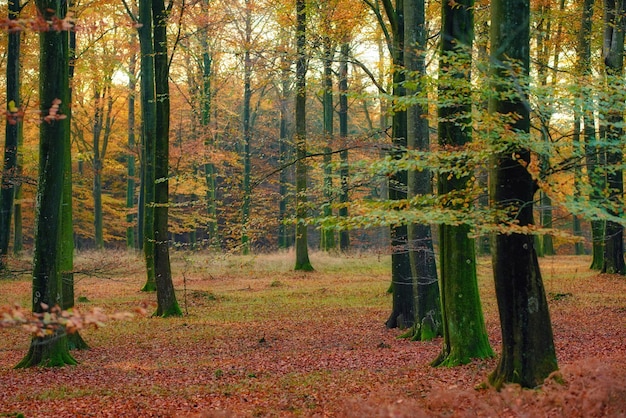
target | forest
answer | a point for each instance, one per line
(182, 171)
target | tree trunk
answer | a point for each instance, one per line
(528, 354)
(613, 52)
(167, 304)
(74, 340)
(328, 234)
(302, 251)
(424, 271)
(148, 137)
(464, 333)
(344, 171)
(403, 304)
(53, 150)
(13, 129)
(246, 125)
(130, 180)
(285, 237)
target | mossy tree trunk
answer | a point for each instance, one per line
(344, 171)
(148, 138)
(328, 234)
(54, 97)
(528, 354)
(613, 52)
(428, 321)
(302, 249)
(464, 333)
(167, 304)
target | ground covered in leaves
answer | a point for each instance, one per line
(258, 339)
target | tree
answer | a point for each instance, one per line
(613, 52)
(13, 131)
(302, 251)
(51, 350)
(148, 135)
(328, 234)
(344, 170)
(528, 354)
(166, 297)
(428, 304)
(130, 179)
(464, 333)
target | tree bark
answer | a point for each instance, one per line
(148, 138)
(13, 130)
(613, 52)
(428, 320)
(167, 304)
(53, 151)
(464, 333)
(302, 251)
(528, 354)
(328, 234)
(344, 171)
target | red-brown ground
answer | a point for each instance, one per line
(278, 343)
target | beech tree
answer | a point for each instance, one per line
(528, 354)
(613, 53)
(13, 131)
(302, 250)
(51, 350)
(464, 333)
(428, 321)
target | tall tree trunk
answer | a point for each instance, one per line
(130, 158)
(51, 350)
(247, 96)
(75, 340)
(285, 237)
(593, 157)
(205, 121)
(464, 333)
(148, 138)
(528, 354)
(13, 130)
(613, 51)
(167, 304)
(328, 234)
(428, 319)
(403, 304)
(302, 249)
(344, 171)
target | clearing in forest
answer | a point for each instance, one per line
(261, 340)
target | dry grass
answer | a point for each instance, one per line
(262, 340)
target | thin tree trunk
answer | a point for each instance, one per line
(528, 354)
(328, 234)
(148, 137)
(167, 304)
(130, 180)
(613, 52)
(344, 171)
(247, 96)
(13, 129)
(302, 251)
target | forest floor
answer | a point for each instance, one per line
(258, 339)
